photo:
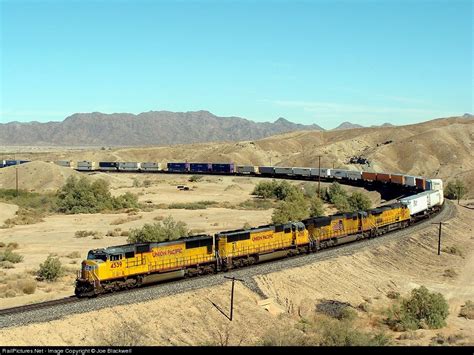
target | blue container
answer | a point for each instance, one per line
(11, 162)
(222, 168)
(200, 167)
(23, 161)
(178, 167)
(108, 164)
(428, 185)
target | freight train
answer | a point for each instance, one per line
(132, 265)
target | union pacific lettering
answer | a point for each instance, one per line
(161, 252)
(262, 237)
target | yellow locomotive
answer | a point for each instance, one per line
(132, 265)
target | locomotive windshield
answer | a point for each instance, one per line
(96, 255)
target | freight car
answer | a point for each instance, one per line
(222, 168)
(177, 167)
(108, 166)
(246, 169)
(150, 167)
(86, 165)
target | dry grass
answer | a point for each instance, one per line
(123, 220)
(467, 310)
(85, 233)
(114, 233)
(454, 250)
(74, 255)
(450, 273)
(16, 285)
(24, 216)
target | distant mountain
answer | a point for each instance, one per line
(147, 128)
(348, 125)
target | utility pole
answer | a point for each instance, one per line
(319, 176)
(232, 295)
(439, 236)
(16, 180)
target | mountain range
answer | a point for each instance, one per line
(147, 128)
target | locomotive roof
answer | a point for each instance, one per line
(131, 247)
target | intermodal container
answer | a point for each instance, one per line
(108, 165)
(323, 172)
(11, 162)
(397, 179)
(354, 175)
(266, 170)
(283, 171)
(246, 169)
(222, 168)
(410, 180)
(178, 167)
(64, 163)
(420, 183)
(150, 166)
(200, 167)
(85, 165)
(129, 166)
(383, 177)
(339, 173)
(416, 203)
(302, 171)
(366, 176)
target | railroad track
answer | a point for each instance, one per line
(45, 311)
(40, 305)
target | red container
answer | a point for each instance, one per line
(383, 177)
(366, 176)
(398, 179)
(421, 183)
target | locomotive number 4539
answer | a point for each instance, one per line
(116, 264)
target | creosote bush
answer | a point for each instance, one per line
(51, 269)
(83, 196)
(168, 229)
(423, 309)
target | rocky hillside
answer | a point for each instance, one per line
(147, 128)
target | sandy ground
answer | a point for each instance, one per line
(189, 318)
(7, 211)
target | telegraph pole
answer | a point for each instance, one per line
(319, 176)
(232, 295)
(439, 236)
(16, 180)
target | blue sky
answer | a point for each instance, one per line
(321, 62)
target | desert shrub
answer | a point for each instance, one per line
(31, 200)
(6, 265)
(85, 233)
(125, 220)
(454, 250)
(336, 190)
(255, 204)
(341, 203)
(74, 255)
(294, 208)
(316, 207)
(10, 256)
(124, 233)
(136, 182)
(246, 225)
(27, 286)
(123, 333)
(467, 310)
(114, 232)
(147, 183)
(394, 295)
(450, 273)
(195, 178)
(50, 269)
(200, 205)
(158, 218)
(359, 202)
(25, 216)
(310, 190)
(455, 190)
(274, 189)
(83, 196)
(2, 245)
(13, 245)
(168, 229)
(423, 309)
(97, 236)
